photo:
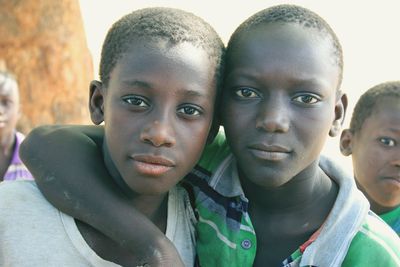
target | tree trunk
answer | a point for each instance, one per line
(43, 44)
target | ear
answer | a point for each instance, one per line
(96, 102)
(340, 112)
(346, 142)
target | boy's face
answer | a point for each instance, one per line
(280, 101)
(157, 109)
(375, 150)
(9, 107)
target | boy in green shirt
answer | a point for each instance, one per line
(373, 141)
(268, 199)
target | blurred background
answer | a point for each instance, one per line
(53, 47)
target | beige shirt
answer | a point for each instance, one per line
(34, 233)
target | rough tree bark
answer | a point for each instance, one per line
(43, 43)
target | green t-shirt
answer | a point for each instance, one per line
(226, 236)
(393, 219)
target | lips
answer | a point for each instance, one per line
(393, 178)
(152, 165)
(269, 152)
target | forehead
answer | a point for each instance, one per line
(275, 46)
(385, 114)
(167, 61)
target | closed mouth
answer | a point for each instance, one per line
(269, 152)
(150, 165)
(155, 160)
(270, 148)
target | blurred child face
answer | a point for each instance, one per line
(158, 109)
(280, 101)
(9, 106)
(375, 150)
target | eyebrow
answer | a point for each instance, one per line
(394, 130)
(192, 93)
(137, 83)
(181, 91)
(251, 75)
(307, 80)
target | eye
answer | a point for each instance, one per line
(136, 101)
(246, 93)
(189, 110)
(306, 99)
(6, 102)
(386, 141)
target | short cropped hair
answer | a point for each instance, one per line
(365, 105)
(160, 23)
(297, 15)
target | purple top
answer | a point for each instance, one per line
(17, 170)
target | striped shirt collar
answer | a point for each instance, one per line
(225, 180)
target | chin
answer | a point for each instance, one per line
(148, 187)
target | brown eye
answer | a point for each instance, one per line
(306, 99)
(387, 141)
(246, 93)
(135, 101)
(189, 110)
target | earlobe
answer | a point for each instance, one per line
(96, 102)
(335, 128)
(346, 142)
(340, 112)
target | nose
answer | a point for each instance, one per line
(273, 115)
(158, 133)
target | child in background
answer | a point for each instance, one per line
(373, 141)
(11, 166)
(159, 77)
(271, 200)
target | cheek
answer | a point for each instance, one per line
(120, 127)
(190, 142)
(366, 162)
(311, 129)
(236, 116)
(13, 116)
(13, 112)
(192, 138)
(320, 120)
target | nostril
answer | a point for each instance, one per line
(158, 134)
(273, 123)
(396, 162)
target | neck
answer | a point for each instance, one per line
(378, 209)
(153, 207)
(303, 191)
